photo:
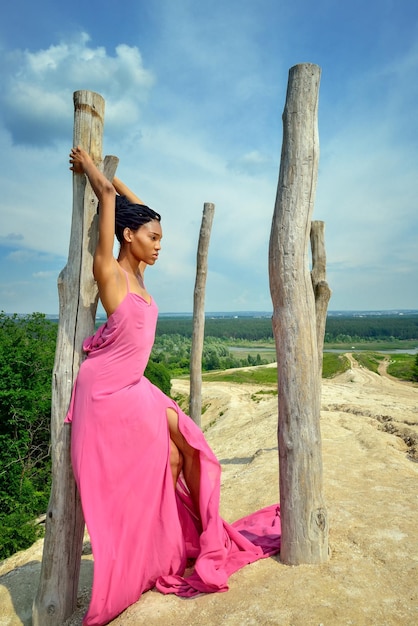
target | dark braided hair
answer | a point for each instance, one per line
(130, 215)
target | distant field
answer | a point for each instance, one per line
(333, 365)
(266, 351)
(254, 375)
(400, 366)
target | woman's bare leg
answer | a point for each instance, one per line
(176, 462)
(191, 459)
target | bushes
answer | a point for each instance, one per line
(159, 375)
(27, 351)
(18, 531)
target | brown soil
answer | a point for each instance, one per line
(369, 434)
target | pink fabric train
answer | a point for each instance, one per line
(142, 531)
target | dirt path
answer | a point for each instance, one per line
(383, 368)
(383, 371)
(398, 414)
(371, 492)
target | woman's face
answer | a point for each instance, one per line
(145, 243)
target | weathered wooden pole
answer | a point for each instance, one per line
(303, 514)
(199, 314)
(56, 597)
(322, 292)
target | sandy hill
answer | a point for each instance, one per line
(370, 433)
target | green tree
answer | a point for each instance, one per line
(210, 359)
(27, 350)
(159, 375)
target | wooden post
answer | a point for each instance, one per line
(303, 514)
(322, 292)
(56, 597)
(199, 314)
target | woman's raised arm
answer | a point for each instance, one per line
(123, 190)
(82, 163)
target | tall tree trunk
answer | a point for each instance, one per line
(303, 514)
(322, 292)
(199, 314)
(56, 596)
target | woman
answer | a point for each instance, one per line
(130, 442)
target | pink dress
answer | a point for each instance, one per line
(142, 530)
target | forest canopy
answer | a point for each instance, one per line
(260, 328)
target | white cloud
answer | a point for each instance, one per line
(21, 256)
(37, 98)
(11, 239)
(253, 163)
(44, 275)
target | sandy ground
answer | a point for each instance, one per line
(370, 438)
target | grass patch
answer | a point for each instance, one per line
(258, 395)
(254, 375)
(334, 364)
(401, 366)
(212, 423)
(183, 400)
(369, 360)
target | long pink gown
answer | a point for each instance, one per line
(142, 530)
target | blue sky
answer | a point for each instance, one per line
(194, 97)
